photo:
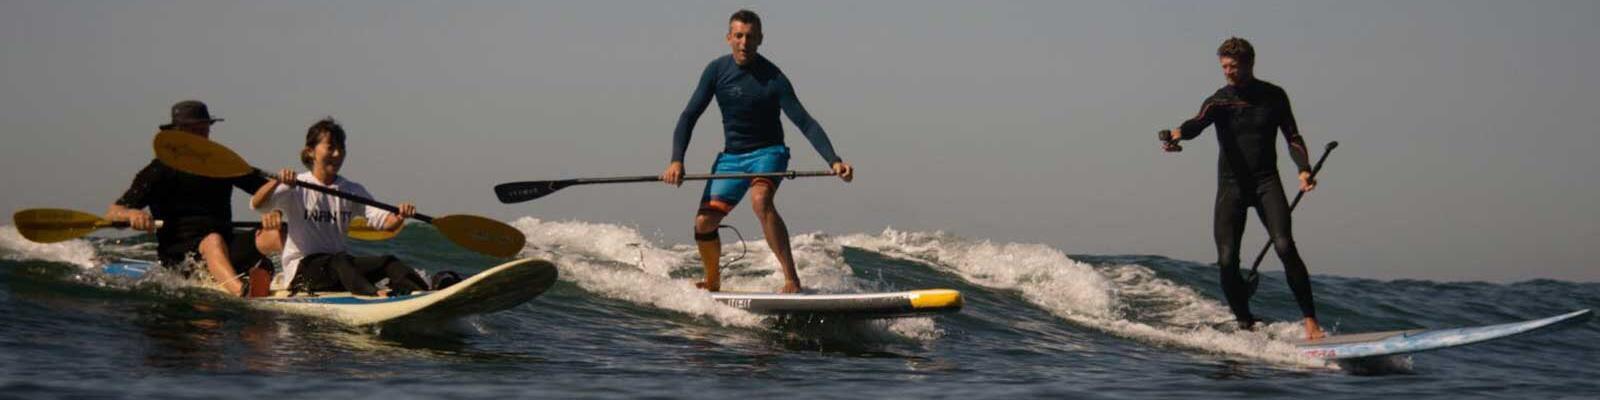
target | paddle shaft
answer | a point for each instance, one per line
(160, 223)
(701, 177)
(349, 196)
(1314, 170)
(517, 192)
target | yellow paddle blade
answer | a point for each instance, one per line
(359, 230)
(50, 225)
(481, 234)
(191, 153)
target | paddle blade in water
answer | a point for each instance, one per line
(191, 153)
(481, 234)
(50, 225)
(360, 230)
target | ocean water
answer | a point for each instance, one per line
(625, 322)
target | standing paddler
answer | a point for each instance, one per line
(1248, 113)
(750, 91)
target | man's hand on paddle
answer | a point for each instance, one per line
(844, 170)
(674, 174)
(140, 220)
(1307, 183)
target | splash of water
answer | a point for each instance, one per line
(617, 262)
(1095, 297)
(76, 252)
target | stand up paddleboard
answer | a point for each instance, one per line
(495, 289)
(1376, 344)
(865, 305)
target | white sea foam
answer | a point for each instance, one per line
(1169, 314)
(89, 256)
(617, 262)
(76, 252)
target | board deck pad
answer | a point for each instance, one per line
(494, 289)
(864, 305)
(1377, 344)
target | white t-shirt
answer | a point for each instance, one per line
(317, 222)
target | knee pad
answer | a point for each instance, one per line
(1283, 244)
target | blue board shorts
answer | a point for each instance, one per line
(722, 195)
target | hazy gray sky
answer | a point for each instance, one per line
(1467, 128)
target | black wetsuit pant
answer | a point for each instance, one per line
(1234, 196)
(324, 272)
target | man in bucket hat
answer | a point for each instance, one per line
(192, 113)
(197, 212)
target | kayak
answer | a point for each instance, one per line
(495, 289)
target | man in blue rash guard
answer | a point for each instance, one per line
(1248, 113)
(750, 91)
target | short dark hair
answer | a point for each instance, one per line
(747, 17)
(1238, 49)
(325, 127)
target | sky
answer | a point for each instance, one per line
(1467, 129)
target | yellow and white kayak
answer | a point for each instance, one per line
(494, 289)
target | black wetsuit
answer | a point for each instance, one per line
(191, 207)
(1248, 118)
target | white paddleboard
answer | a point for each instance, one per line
(1375, 344)
(494, 289)
(863, 305)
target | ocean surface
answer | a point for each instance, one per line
(625, 322)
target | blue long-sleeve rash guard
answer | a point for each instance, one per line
(750, 98)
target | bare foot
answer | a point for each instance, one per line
(707, 286)
(233, 287)
(1313, 331)
(791, 287)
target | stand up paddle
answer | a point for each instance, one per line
(517, 192)
(200, 156)
(51, 225)
(1254, 277)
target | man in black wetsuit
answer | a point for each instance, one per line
(1248, 113)
(197, 212)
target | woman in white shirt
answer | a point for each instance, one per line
(315, 256)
